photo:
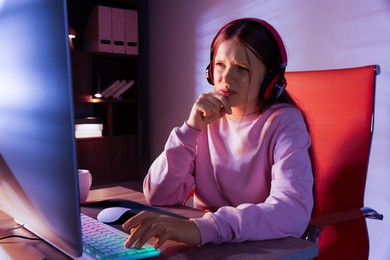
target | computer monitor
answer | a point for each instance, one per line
(38, 168)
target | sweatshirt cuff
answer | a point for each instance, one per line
(187, 135)
(207, 228)
(186, 128)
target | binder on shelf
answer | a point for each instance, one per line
(118, 30)
(123, 89)
(131, 32)
(112, 88)
(98, 35)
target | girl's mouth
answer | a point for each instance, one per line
(225, 92)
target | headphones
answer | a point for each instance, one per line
(274, 83)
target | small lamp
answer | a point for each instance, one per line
(97, 94)
(72, 35)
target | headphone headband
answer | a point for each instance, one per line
(269, 28)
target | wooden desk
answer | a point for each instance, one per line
(286, 248)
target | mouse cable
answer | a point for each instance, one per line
(17, 236)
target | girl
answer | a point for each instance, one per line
(244, 151)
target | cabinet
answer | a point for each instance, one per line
(120, 153)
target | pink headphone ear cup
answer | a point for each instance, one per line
(268, 84)
(270, 88)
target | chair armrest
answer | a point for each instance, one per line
(316, 224)
(335, 217)
(371, 213)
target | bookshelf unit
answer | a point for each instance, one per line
(119, 154)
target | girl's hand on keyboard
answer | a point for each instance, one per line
(146, 225)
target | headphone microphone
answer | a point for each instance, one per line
(274, 83)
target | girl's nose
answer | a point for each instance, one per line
(228, 76)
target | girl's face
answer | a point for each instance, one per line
(238, 75)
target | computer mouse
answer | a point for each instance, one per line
(115, 215)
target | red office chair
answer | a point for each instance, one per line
(339, 105)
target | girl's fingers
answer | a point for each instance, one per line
(208, 108)
(163, 237)
(138, 224)
(158, 229)
(137, 219)
(224, 102)
(211, 104)
(163, 228)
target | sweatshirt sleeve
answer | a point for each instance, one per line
(287, 210)
(170, 177)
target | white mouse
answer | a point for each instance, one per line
(115, 215)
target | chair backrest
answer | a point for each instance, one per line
(339, 105)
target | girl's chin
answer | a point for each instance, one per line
(243, 108)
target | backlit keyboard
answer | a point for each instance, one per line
(101, 241)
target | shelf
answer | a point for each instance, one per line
(112, 137)
(90, 100)
(93, 72)
(116, 156)
(119, 117)
(107, 54)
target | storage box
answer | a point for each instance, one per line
(118, 30)
(113, 30)
(97, 34)
(131, 32)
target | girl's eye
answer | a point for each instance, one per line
(243, 68)
(219, 64)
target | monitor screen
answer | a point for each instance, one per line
(38, 168)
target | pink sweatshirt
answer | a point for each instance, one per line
(253, 175)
